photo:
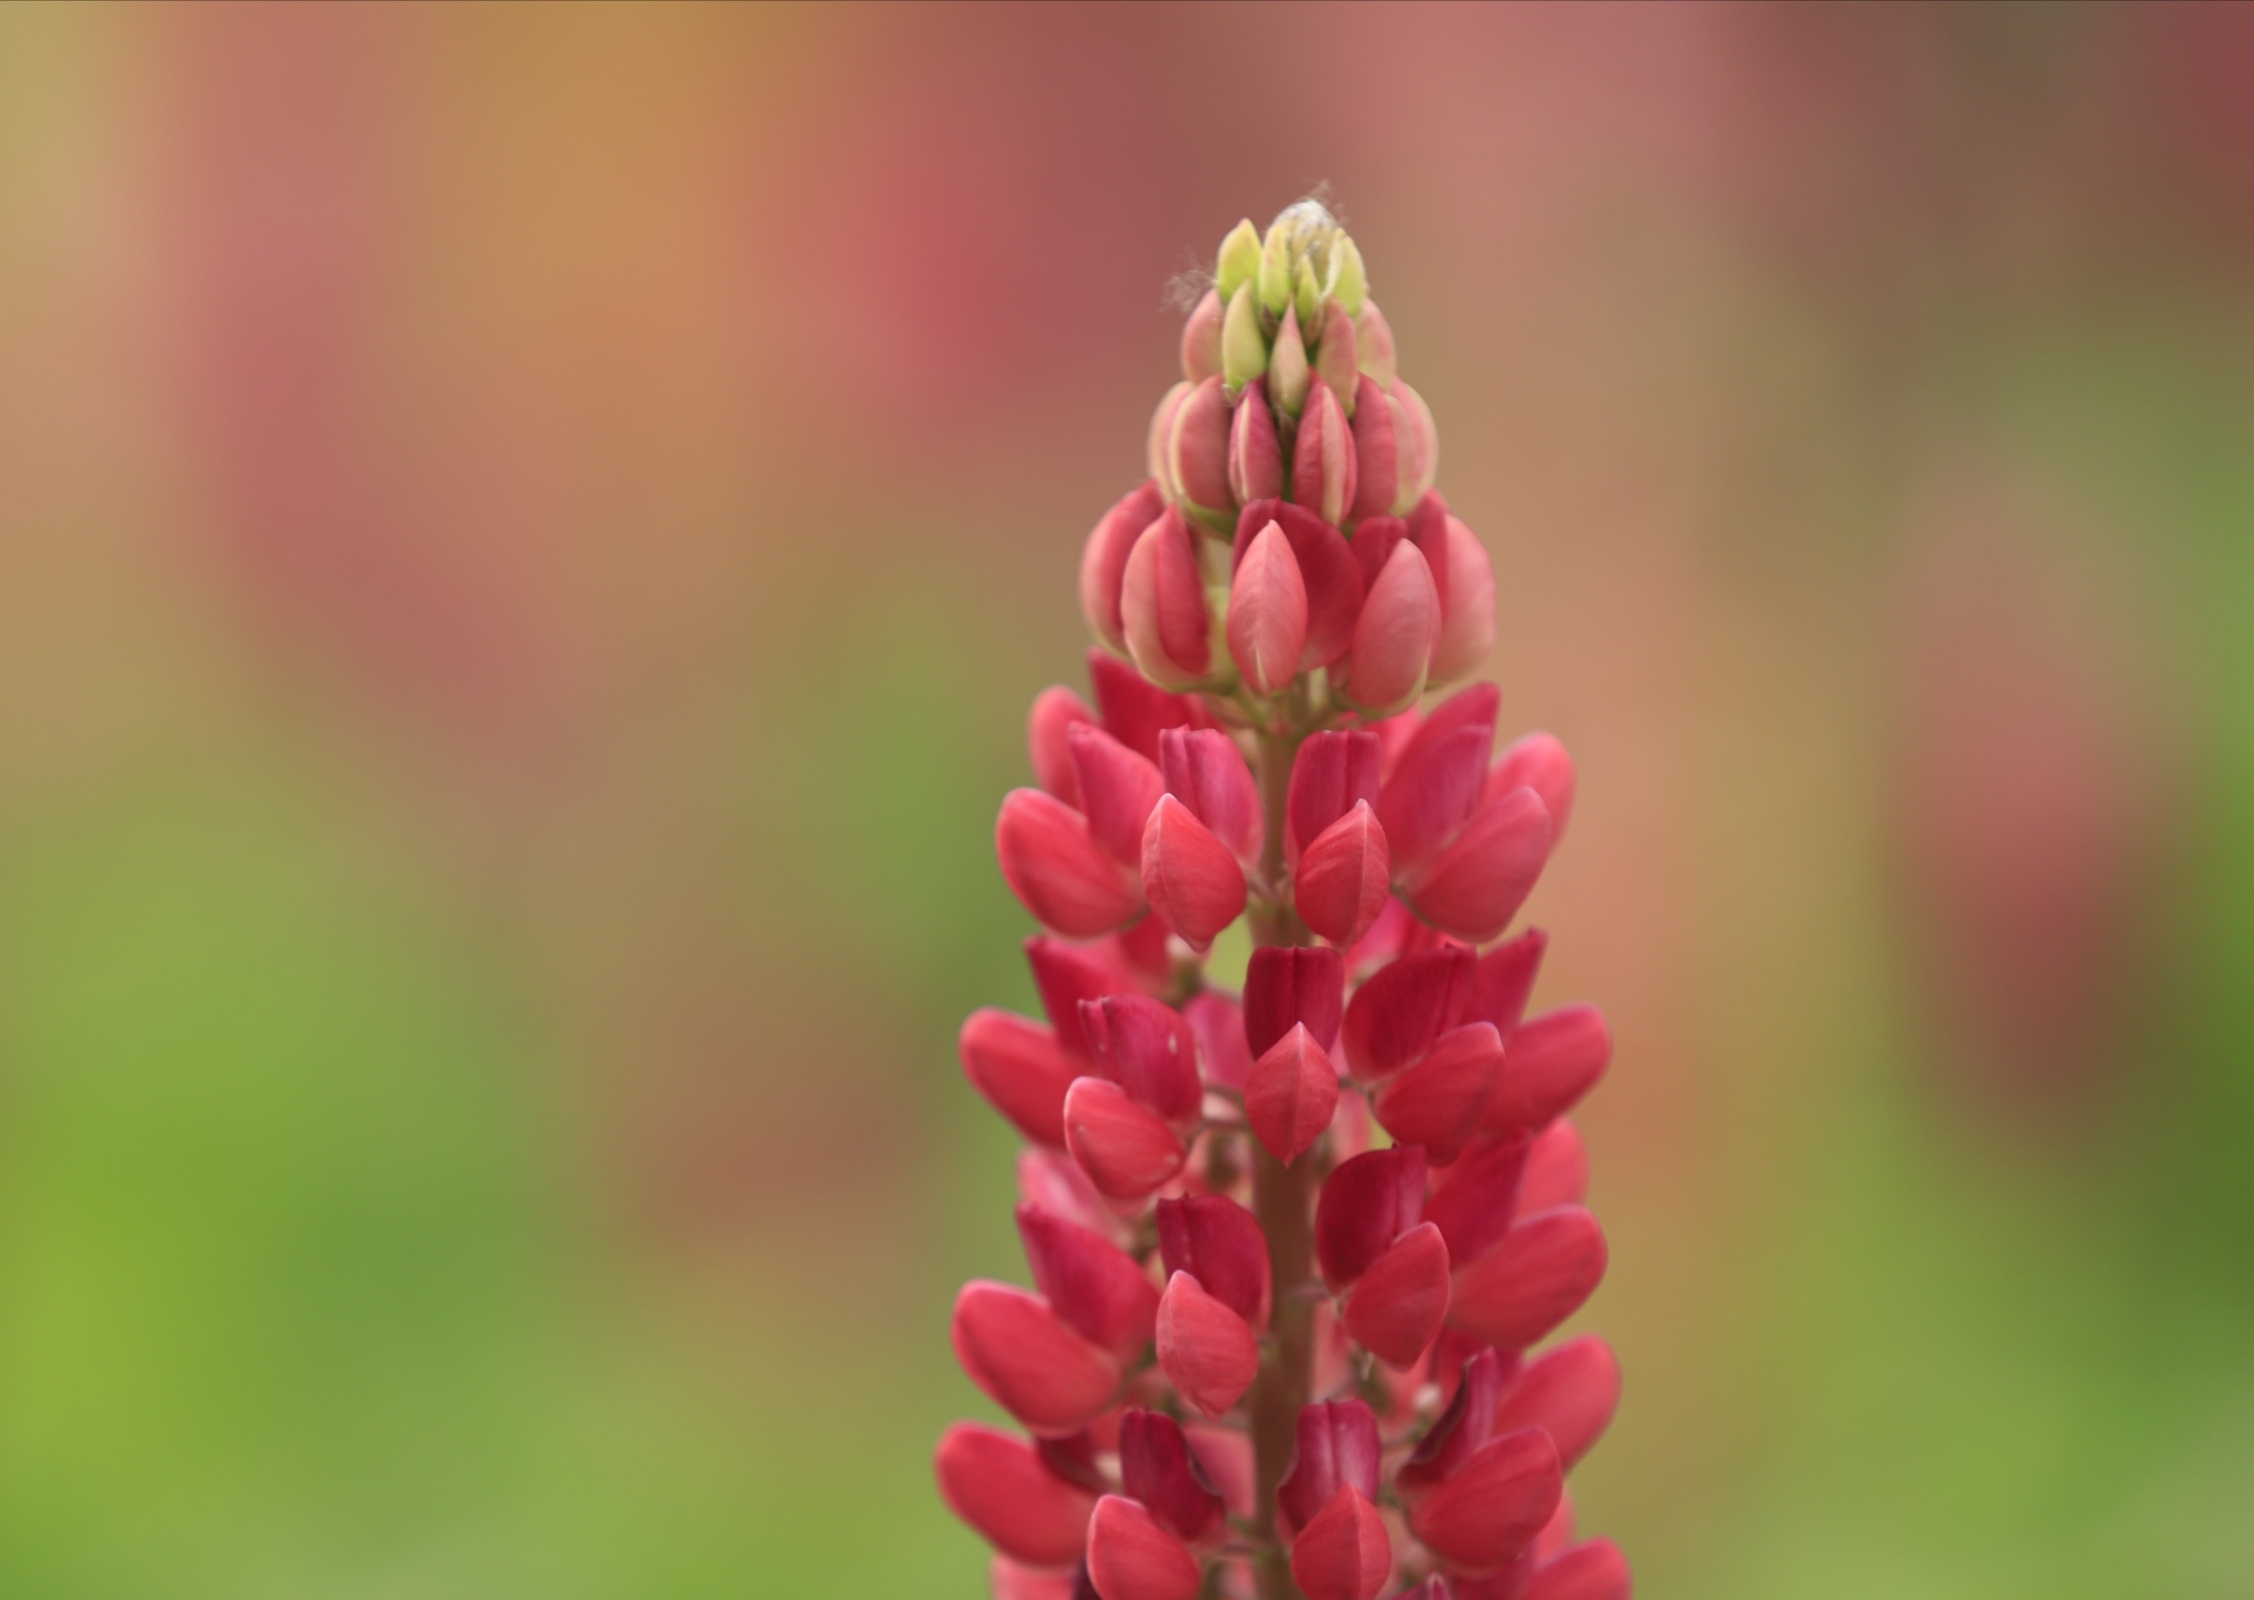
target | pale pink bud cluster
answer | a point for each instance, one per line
(1292, 1248)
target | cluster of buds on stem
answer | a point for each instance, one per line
(1291, 1248)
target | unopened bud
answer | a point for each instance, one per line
(1291, 1095)
(996, 1482)
(1306, 293)
(1020, 1068)
(1286, 986)
(1219, 1243)
(1103, 560)
(1131, 1557)
(1025, 1358)
(1365, 1204)
(1256, 457)
(1467, 612)
(1146, 1047)
(1048, 731)
(1327, 566)
(1557, 1169)
(1158, 447)
(1437, 1103)
(1162, 605)
(1474, 887)
(1404, 1006)
(1267, 607)
(1288, 372)
(1376, 464)
(1546, 1266)
(1322, 462)
(1158, 1469)
(1243, 348)
(1393, 637)
(1239, 260)
(1204, 769)
(1491, 1508)
(1201, 339)
(1192, 879)
(1343, 1553)
(1334, 353)
(1092, 1284)
(1475, 1202)
(1332, 772)
(1057, 870)
(1373, 344)
(1348, 282)
(1126, 1150)
(1276, 265)
(1340, 884)
(1552, 1061)
(1198, 455)
(1569, 1392)
(1205, 1349)
(1395, 1309)
(1417, 441)
(1538, 762)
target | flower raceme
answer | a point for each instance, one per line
(1294, 1250)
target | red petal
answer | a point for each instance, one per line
(1204, 1348)
(1117, 788)
(1146, 1048)
(1204, 770)
(1433, 793)
(1462, 1430)
(1542, 1272)
(1021, 1070)
(1437, 1102)
(1365, 1204)
(1103, 561)
(1326, 566)
(1592, 1571)
(1065, 975)
(1291, 1095)
(1220, 1244)
(1475, 886)
(1162, 603)
(1094, 1287)
(1268, 612)
(1256, 461)
(1130, 1557)
(1467, 607)
(1031, 1365)
(1048, 730)
(1134, 709)
(1336, 1448)
(1126, 1151)
(1193, 881)
(1342, 880)
(1287, 985)
(1505, 979)
(995, 1482)
(1157, 1469)
(1218, 1024)
(1323, 468)
(1551, 1062)
(1343, 1554)
(1394, 1017)
(1537, 762)
(1492, 1508)
(1375, 466)
(1396, 1308)
(1199, 448)
(1332, 772)
(1056, 869)
(1570, 1393)
(1557, 1168)
(1007, 1580)
(1475, 1202)
(1393, 636)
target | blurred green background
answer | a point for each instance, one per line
(526, 536)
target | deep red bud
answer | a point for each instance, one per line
(1117, 789)
(1557, 1168)
(1103, 561)
(1219, 1243)
(1291, 1095)
(1595, 1570)
(1552, 1061)
(1057, 870)
(1475, 1202)
(1365, 1205)
(1343, 1553)
(1201, 339)
(1461, 1431)
(1337, 1449)
(1009, 1580)
(1376, 470)
(1332, 773)
(1049, 1181)
(1021, 1070)
(1205, 1349)
(1048, 730)
(1491, 1508)
(1341, 883)
(1474, 887)
(1064, 975)
(1126, 1150)
(1205, 770)
(1437, 1103)
(1395, 1309)
(1146, 1048)
(1256, 460)
(995, 1482)
(1157, 442)
(1374, 539)
(1029, 1363)
(1395, 1016)
(1092, 1285)
(1131, 1557)
(1199, 453)
(1570, 1393)
(1322, 462)
(1505, 978)
(1333, 578)
(1393, 637)
(1537, 762)
(1433, 792)
(1157, 1468)
(1416, 444)
(1268, 612)
(1162, 605)
(1134, 709)
(1218, 1024)
(1286, 985)
(1467, 609)
(1545, 1268)
(1192, 878)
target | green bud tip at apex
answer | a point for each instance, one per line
(1239, 263)
(1244, 348)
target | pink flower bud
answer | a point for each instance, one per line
(1288, 372)
(1475, 1202)
(1490, 1510)
(1162, 604)
(1146, 1048)
(1008, 1580)
(1553, 1060)
(1028, 1362)
(1343, 1552)
(1467, 612)
(1322, 461)
(996, 1483)
(1286, 985)
(1131, 1557)
(1157, 1469)
(1050, 1182)
(1219, 1026)
(1117, 789)
(1291, 1095)
(1365, 1205)
(1393, 638)
(1064, 975)
(1475, 886)
(1157, 447)
(1342, 880)
(1336, 361)
(1256, 457)
(1201, 339)
(1337, 1448)
(1546, 1266)
(1268, 612)
(1193, 881)
(1437, 782)
(1557, 1168)
(1327, 568)
(1569, 1392)
(1126, 1149)
(1394, 1017)
(1461, 1431)
(1205, 1349)
(1427, 525)
(1504, 980)
(1056, 869)
(1437, 1102)
(1395, 1309)
(1375, 467)
(1537, 762)
(1374, 539)
(1417, 443)
(1094, 1287)
(1135, 710)
(1198, 454)
(1373, 343)
(1595, 1570)
(1103, 561)
(1021, 1070)
(1333, 772)
(1205, 770)
(1048, 731)
(1219, 1243)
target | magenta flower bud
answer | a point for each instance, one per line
(1395, 1309)
(1366, 1204)
(1437, 782)
(1063, 976)
(1331, 775)
(1474, 887)
(1343, 1553)
(1336, 1448)
(1135, 710)
(1552, 1061)
(1322, 461)
(1158, 1469)
(1219, 1243)
(1340, 884)
(1117, 789)
(1395, 1016)
(1475, 1202)
(1557, 1168)
(1201, 339)
(1373, 344)
(1054, 866)
(1481, 1518)
(1052, 1183)
(1146, 1048)
(1546, 1266)
(1376, 466)
(1131, 1557)
(1256, 458)
(996, 1483)
(1103, 560)
(1461, 1431)
(1268, 613)
(1505, 979)
(1021, 1070)
(1048, 732)
(1569, 1392)
(1537, 762)
(1205, 770)
(1594, 1570)
(1204, 1348)
(1437, 1103)
(1467, 611)
(1292, 1094)
(1218, 1024)
(1289, 985)
(1028, 1362)
(1393, 638)
(1416, 443)
(1159, 445)
(1289, 376)
(1125, 1148)
(1193, 881)
(1198, 455)
(1162, 602)
(1327, 569)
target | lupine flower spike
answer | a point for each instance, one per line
(1292, 1250)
